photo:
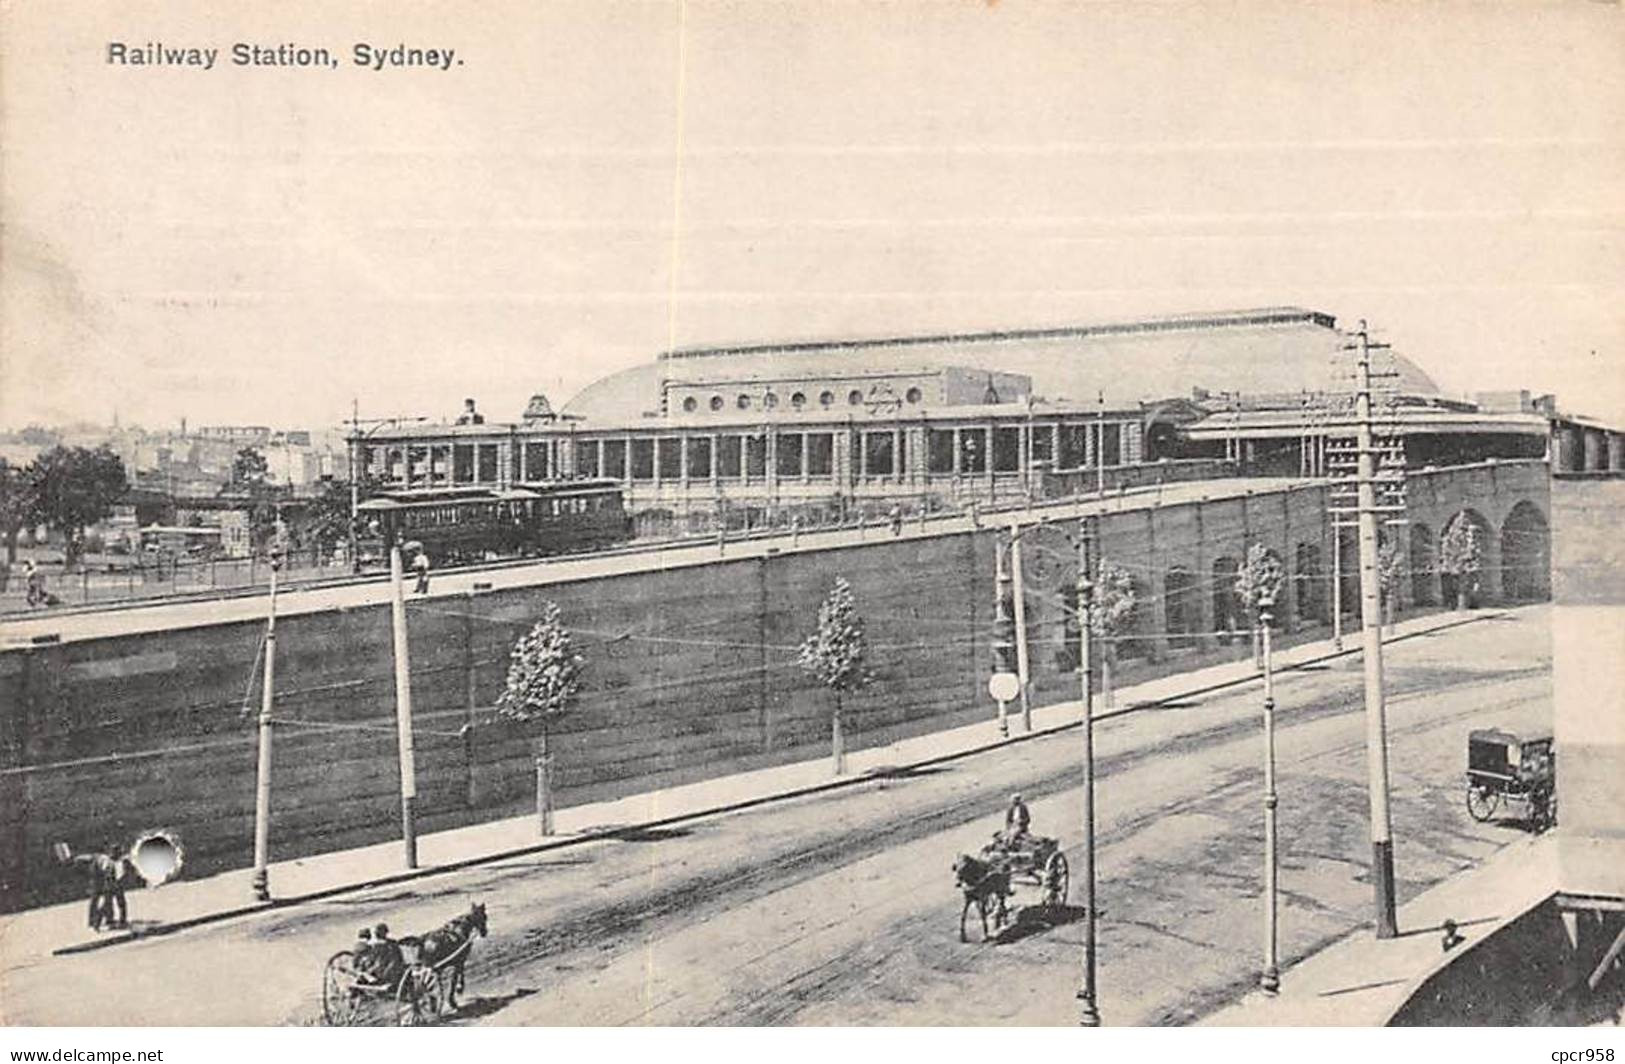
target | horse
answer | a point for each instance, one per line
(984, 884)
(447, 947)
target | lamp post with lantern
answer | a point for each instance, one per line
(1270, 979)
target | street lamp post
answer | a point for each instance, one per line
(1089, 1011)
(357, 438)
(1270, 979)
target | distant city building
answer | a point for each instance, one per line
(245, 435)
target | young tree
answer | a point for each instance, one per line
(1112, 614)
(1261, 575)
(74, 487)
(16, 505)
(1461, 555)
(835, 654)
(544, 674)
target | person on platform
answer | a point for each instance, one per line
(896, 520)
(36, 583)
(420, 566)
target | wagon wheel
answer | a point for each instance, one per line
(1057, 880)
(1481, 802)
(1542, 810)
(339, 994)
(417, 999)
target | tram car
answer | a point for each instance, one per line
(465, 524)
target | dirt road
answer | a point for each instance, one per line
(841, 908)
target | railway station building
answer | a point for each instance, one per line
(761, 433)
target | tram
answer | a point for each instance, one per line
(464, 524)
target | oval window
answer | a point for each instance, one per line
(770, 400)
(854, 397)
(690, 404)
(716, 402)
(912, 395)
(826, 399)
(743, 402)
(798, 400)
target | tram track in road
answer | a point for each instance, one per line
(861, 963)
(691, 899)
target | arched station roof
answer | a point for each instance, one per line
(1272, 351)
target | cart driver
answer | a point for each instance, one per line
(383, 959)
(1016, 821)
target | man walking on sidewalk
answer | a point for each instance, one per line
(420, 565)
(107, 872)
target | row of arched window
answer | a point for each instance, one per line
(798, 400)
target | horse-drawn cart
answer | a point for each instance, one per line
(1504, 769)
(986, 879)
(415, 983)
(1035, 859)
(352, 995)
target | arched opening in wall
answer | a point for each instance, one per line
(1181, 607)
(1421, 561)
(1306, 580)
(1130, 635)
(1463, 558)
(1068, 650)
(1526, 555)
(1227, 619)
(1348, 584)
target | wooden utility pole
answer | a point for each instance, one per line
(1019, 598)
(1004, 651)
(1100, 445)
(1382, 844)
(261, 881)
(403, 706)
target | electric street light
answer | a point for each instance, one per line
(357, 438)
(1270, 979)
(1089, 1012)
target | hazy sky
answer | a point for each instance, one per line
(596, 181)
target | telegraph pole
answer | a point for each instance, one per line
(1004, 652)
(1270, 980)
(355, 489)
(1018, 597)
(403, 706)
(262, 780)
(1382, 844)
(1089, 1010)
(1337, 584)
(1100, 444)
